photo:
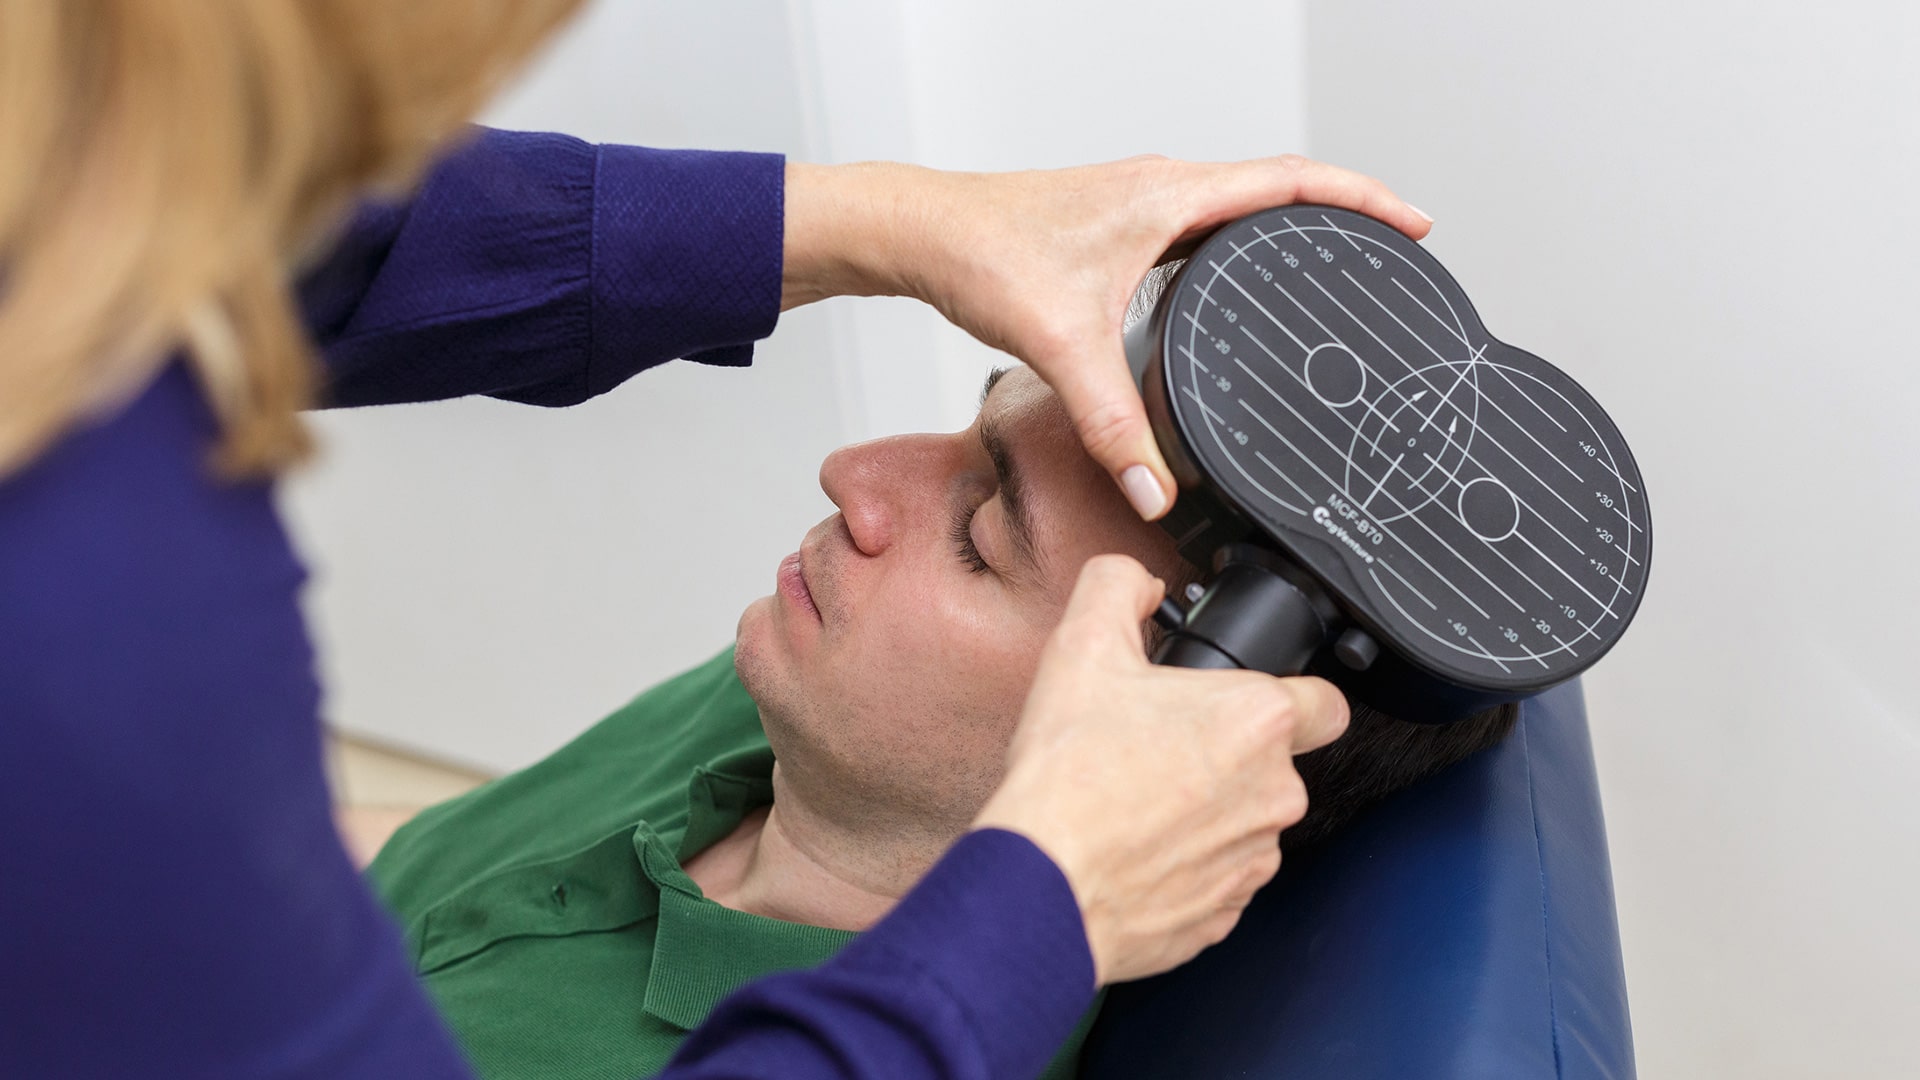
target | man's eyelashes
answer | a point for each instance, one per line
(961, 533)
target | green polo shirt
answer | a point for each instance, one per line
(547, 912)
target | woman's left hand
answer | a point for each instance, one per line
(1043, 264)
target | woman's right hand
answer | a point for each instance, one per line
(1042, 264)
(1160, 792)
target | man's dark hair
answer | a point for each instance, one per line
(1379, 754)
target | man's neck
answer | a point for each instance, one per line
(784, 863)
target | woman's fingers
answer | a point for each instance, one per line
(1097, 389)
(1113, 593)
(1060, 302)
(1221, 193)
(1160, 792)
(1320, 710)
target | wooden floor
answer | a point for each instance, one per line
(366, 774)
(377, 788)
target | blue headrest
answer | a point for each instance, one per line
(1463, 928)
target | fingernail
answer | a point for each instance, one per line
(1143, 491)
(1428, 217)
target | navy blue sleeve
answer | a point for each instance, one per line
(981, 971)
(542, 269)
(173, 898)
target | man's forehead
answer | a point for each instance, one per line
(1021, 413)
(1014, 396)
(1074, 509)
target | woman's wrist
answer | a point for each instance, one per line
(856, 230)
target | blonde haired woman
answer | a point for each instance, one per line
(193, 196)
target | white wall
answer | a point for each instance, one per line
(490, 578)
(1706, 212)
(1012, 84)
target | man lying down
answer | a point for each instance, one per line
(577, 918)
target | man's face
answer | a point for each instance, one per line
(892, 660)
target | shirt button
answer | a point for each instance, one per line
(560, 893)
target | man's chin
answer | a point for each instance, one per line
(774, 674)
(758, 653)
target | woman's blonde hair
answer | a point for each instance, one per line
(165, 163)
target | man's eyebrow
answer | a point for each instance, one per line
(1007, 472)
(986, 388)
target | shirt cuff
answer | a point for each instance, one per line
(995, 925)
(687, 251)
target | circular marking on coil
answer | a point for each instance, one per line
(1488, 509)
(1335, 375)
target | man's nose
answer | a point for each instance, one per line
(883, 486)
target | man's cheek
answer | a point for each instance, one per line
(921, 622)
(921, 657)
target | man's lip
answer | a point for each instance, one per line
(791, 580)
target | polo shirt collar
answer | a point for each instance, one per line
(703, 951)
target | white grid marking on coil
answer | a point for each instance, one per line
(1461, 372)
(1342, 232)
(1524, 430)
(1428, 529)
(1444, 580)
(1408, 514)
(1235, 461)
(1483, 654)
(1410, 588)
(1417, 373)
(1475, 642)
(1463, 340)
(1261, 454)
(1301, 378)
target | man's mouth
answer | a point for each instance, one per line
(791, 580)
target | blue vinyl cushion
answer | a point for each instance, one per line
(1463, 928)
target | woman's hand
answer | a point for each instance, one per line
(1160, 792)
(1042, 264)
